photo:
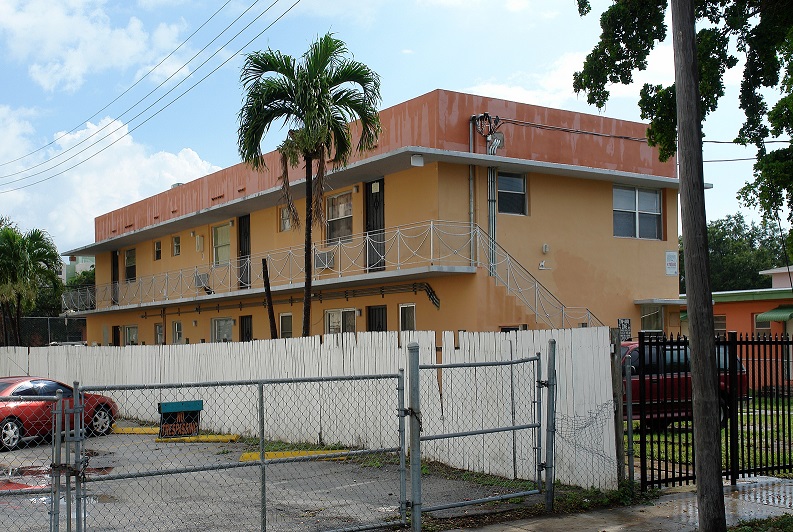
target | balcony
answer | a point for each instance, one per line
(415, 250)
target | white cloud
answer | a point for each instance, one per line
(66, 205)
(66, 41)
(408, 51)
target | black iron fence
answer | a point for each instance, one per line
(754, 406)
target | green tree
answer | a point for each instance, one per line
(738, 251)
(316, 96)
(28, 263)
(761, 30)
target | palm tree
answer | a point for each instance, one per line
(316, 96)
(27, 263)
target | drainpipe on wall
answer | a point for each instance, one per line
(471, 171)
(493, 142)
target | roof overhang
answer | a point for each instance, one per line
(661, 301)
(781, 313)
(372, 169)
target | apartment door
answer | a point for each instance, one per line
(246, 328)
(375, 226)
(114, 269)
(244, 250)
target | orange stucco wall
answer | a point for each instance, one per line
(439, 119)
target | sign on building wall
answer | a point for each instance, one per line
(624, 325)
(671, 262)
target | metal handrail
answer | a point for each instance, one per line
(432, 243)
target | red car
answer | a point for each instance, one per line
(24, 420)
(668, 384)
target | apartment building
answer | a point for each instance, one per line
(472, 213)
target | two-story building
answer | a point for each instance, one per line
(472, 213)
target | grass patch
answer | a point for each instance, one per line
(783, 523)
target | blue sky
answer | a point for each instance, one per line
(77, 68)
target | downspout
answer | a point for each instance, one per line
(493, 142)
(471, 171)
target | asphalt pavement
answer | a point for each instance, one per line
(675, 510)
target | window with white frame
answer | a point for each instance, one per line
(176, 246)
(131, 335)
(130, 262)
(512, 194)
(221, 244)
(177, 336)
(285, 221)
(637, 212)
(339, 216)
(157, 249)
(761, 327)
(159, 336)
(222, 329)
(286, 325)
(407, 317)
(339, 321)
(720, 325)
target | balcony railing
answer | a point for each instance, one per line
(427, 244)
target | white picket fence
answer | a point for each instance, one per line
(585, 446)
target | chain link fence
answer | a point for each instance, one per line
(298, 454)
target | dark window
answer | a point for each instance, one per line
(511, 194)
(637, 213)
(376, 318)
(129, 265)
(157, 250)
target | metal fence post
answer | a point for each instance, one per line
(80, 433)
(551, 429)
(403, 491)
(55, 484)
(262, 468)
(415, 437)
(629, 415)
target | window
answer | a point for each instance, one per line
(637, 213)
(339, 321)
(340, 218)
(407, 317)
(285, 220)
(131, 335)
(159, 336)
(176, 246)
(221, 244)
(157, 250)
(177, 335)
(222, 329)
(720, 325)
(129, 265)
(762, 327)
(652, 318)
(511, 194)
(286, 325)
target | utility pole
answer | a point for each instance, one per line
(704, 384)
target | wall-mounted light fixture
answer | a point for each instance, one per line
(192, 233)
(543, 266)
(231, 223)
(546, 248)
(195, 323)
(417, 160)
(355, 189)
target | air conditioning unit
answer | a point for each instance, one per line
(324, 260)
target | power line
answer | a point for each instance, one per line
(60, 155)
(75, 128)
(158, 111)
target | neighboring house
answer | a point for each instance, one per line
(472, 213)
(762, 311)
(75, 266)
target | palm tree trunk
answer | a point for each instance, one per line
(3, 331)
(307, 249)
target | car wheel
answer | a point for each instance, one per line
(10, 434)
(101, 422)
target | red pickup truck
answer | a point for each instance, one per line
(668, 383)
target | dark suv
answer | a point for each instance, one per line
(668, 383)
